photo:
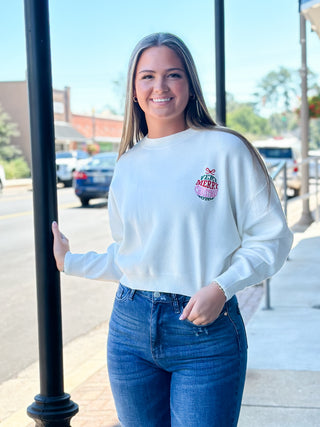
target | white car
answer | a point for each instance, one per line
(2, 178)
(67, 162)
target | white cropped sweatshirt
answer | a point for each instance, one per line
(186, 210)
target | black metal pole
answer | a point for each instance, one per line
(52, 407)
(220, 63)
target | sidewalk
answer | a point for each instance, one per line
(23, 182)
(283, 380)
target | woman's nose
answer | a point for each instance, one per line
(160, 85)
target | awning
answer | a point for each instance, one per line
(311, 11)
(65, 132)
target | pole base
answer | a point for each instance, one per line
(305, 221)
(52, 411)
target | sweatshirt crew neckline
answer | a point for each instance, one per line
(165, 141)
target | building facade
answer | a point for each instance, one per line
(103, 131)
(72, 131)
(14, 101)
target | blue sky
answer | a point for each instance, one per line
(91, 42)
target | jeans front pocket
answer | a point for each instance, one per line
(220, 316)
(122, 293)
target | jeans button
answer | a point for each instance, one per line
(156, 294)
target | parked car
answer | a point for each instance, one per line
(2, 178)
(92, 180)
(273, 151)
(67, 162)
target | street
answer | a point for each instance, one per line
(85, 304)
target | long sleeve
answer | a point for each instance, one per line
(265, 243)
(96, 266)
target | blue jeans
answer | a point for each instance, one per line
(167, 372)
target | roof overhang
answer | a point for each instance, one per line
(65, 132)
(311, 10)
(115, 140)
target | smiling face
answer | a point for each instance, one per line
(162, 89)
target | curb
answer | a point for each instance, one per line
(12, 183)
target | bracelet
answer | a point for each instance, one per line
(220, 287)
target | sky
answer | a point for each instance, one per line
(91, 41)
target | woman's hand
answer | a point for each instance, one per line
(205, 306)
(60, 246)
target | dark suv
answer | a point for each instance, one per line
(273, 151)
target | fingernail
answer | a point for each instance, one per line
(54, 223)
(181, 317)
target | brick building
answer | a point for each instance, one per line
(14, 101)
(71, 130)
(102, 130)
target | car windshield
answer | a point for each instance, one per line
(82, 155)
(275, 152)
(102, 162)
(65, 155)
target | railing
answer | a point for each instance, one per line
(281, 171)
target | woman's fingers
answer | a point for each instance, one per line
(187, 310)
(57, 233)
(205, 306)
(60, 246)
(55, 230)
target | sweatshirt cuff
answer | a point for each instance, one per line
(219, 286)
(67, 260)
(228, 283)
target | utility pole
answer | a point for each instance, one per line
(220, 63)
(52, 407)
(306, 217)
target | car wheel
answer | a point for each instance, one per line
(68, 183)
(84, 201)
(293, 192)
(296, 192)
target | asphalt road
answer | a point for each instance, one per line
(85, 304)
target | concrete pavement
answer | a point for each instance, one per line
(23, 182)
(283, 381)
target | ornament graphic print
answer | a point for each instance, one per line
(207, 186)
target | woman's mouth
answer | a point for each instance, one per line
(159, 100)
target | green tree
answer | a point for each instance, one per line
(280, 89)
(243, 119)
(281, 123)
(314, 135)
(13, 162)
(277, 89)
(233, 104)
(7, 130)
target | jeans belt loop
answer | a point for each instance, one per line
(176, 304)
(131, 294)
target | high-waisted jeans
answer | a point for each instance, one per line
(165, 372)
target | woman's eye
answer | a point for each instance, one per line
(147, 77)
(175, 75)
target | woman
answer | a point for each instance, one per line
(195, 219)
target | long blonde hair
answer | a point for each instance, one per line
(196, 113)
